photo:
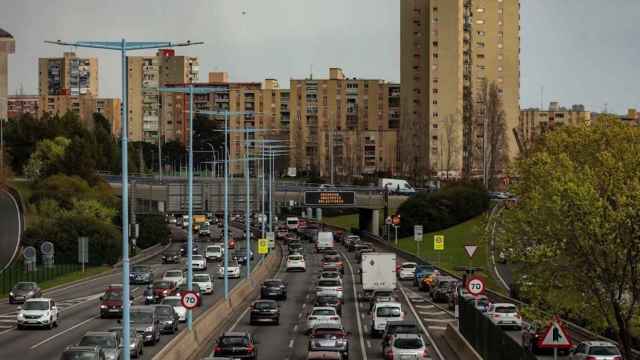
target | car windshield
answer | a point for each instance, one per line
(139, 269)
(204, 227)
(295, 258)
(603, 350)
(328, 334)
(482, 302)
(506, 309)
(36, 305)
(213, 249)
(172, 301)
(408, 266)
(328, 283)
(79, 355)
(24, 286)
(201, 278)
(164, 310)
(404, 329)
(264, 305)
(112, 295)
(272, 283)
(234, 341)
(101, 341)
(197, 257)
(330, 275)
(408, 343)
(388, 311)
(177, 273)
(327, 299)
(144, 317)
(323, 312)
(162, 284)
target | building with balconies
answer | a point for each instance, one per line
(7, 46)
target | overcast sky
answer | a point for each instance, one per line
(581, 51)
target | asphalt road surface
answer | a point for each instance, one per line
(11, 227)
(80, 313)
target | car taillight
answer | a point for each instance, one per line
(217, 349)
(590, 358)
(495, 316)
(250, 348)
(425, 353)
(617, 358)
(389, 355)
(334, 318)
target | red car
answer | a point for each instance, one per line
(163, 288)
(232, 244)
(111, 302)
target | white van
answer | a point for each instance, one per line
(214, 252)
(397, 186)
(324, 241)
(382, 313)
(292, 223)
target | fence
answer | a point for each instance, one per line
(489, 340)
(10, 276)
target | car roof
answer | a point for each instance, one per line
(401, 323)
(99, 333)
(172, 297)
(598, 343)
(279, 280)
(38, 299)
(323, 308)
(84, 348)
(503, 304)
(329, 326)
(265, 301)
(388, 303)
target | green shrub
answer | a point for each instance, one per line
(153, 230)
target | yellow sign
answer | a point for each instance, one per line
(263, 246)
(438, 242)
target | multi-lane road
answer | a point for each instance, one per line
(80, 312)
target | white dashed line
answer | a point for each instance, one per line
(440, 321)
(295, 329)
(442, 328)
(63, 332)
(238, 320)
(369, 344)
(304, 305)
(291, 343)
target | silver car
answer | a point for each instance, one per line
(136, 341)
(407, 346)
(108, 342)
(595, 350)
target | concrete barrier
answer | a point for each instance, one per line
(460, 345)
(193, 344)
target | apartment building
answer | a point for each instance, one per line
(450, 49)
(68, 75)
(7, 46)
(534, 122)
(146, 75)
(348, 122)
(84, 106)
(19, 105)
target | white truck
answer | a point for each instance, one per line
(378, 272)
(324, 241)
(397, 186)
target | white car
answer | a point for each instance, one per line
(596, 350)
(330, 286)
(176, 302)
(407, 271)
(38, 312)
(406, 346)
(383, 312)
(505, 315)
(233, 270)
(198, 262)
(214, 252)
(323, 315)
(176, 276)
(296, 262)
(205, 282)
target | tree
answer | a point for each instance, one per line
(450, 143)
(80, 159)
(575, 228)
(491, 154)
(47, 158)
(153, 230)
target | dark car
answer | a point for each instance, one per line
(241, 255)
(330, 301)
(353, 245)
(194, 287)
(194, 248)
(398, 327)
(82, 353)
(162, 289)
(23, 291)
(333, 261)
(443, 288)
(111, 302)
(236, 345)
(144, 319)
(295, 247)
(329, 337)
(108, 342)
(168, 319)
(265, 311)
(274, 289)
(141, 274)
(171, 257)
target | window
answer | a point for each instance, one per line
(480, 10)
(435, 55)
(435, 44)
(480, 21)
(481, 33)
(435, 126)
(500, 45)
(435, 90)
(434, 137)
(500, 57)
(480, 56)
(435, 114)
(480, 44)
(499, 68)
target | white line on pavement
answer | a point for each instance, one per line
(369, 344)
(413, 310)
(63, 332)
(442, 328)
(355, 296)
(434, 312)
(425, 306)
(238, 320)
(439, 320)
(295, 329)
(291, 343)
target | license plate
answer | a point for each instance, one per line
(114, 310)
(408, 357)
(327, 343)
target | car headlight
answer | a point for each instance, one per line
(149, 329)
(46, 314)
(103, 306)
(11, 293)
(20, 316)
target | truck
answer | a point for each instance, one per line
(396, 186)
(324, 241)
(197, 221)
(378, 272)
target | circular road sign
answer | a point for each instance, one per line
(189, 300)
(29, 253)
(475, 286)
(46, 248)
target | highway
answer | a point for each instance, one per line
(80, 313)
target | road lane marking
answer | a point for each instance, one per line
(436, 312)
(433, 327)
(357, 307)
(291, 343)
(295, 329)
(413, 310)
(369, 344)
(63, 332)
(304, 305)
(238, 320)
(425, 306)
(439, 320)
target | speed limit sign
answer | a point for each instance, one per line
(475, 286)
(189, 300)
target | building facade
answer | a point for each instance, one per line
(146, 75)
(84, 106)
(349, 125)
(23, 104)
(68, 75)
(7, 46)
(450, 49)
(534, 123)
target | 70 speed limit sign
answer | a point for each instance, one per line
(189, 300)
(475, 286)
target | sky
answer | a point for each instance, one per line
(579, 51)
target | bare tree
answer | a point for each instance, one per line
(450, 144)
(490, 121)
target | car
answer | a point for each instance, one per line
(82, 352)
(282, 233)
(328, 299)
(329, 337)
(38, 312)
(136, 342)
(296, 262)
(350, 239)
(194, 249)
(595, 350)
(171, 257)
(397, 327)
(108, 342)
(232, 244)
(407, 346)
(233, 271)
(324, 355)
(264, 310)
(422, 271)
(333, 286)
(144, 320)
(322, 315)
(204, 230)
(445, 291)
(198, 262)
(167, 316)
(238, 345)
(241, 255)
(333, 261)
(194, 288)
(333, 252)
(295, 247)
(291, 237)
(204, 282)
(160, 289)
(334, 274)
(481, 302)
(378, 296)
(172, 220)
(176, 303)
(175, 276)
(214, 252)
(274, 289)
(407, 271)
(383, 312)
(24, 290)
(111, 302)
(141, 274)
(504, 315)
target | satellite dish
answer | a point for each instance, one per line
(29, 253)
(46, 248)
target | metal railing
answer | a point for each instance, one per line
(16, 273)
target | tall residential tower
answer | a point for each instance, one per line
(7, 46)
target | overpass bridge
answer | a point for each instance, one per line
(150, 194)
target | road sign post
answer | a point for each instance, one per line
(438, 245)
(417, 236)
(271, 239)
(556, 338)
(47, 251)
(189, 300)
(83, 251)
(263, 246)
(30, 258)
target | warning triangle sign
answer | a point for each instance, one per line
(470, 250)
(556, 337)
